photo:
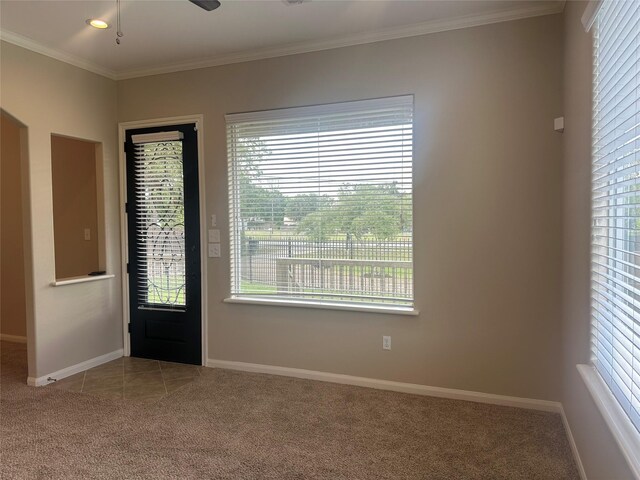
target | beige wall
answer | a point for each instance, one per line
(598, 450)
(75, 208)
(488, 232)
(76, 322)
(13, 315)
(487, 190)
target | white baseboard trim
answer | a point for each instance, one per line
(416, 389)
(13, 338)
(572, 444)
(73, 369)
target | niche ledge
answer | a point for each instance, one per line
(83, 279)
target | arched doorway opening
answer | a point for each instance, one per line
(15, 245)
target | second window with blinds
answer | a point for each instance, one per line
(320, 202)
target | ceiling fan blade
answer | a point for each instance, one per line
(208, 5)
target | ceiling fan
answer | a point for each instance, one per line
(207, 5)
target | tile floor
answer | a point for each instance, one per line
(131, 378)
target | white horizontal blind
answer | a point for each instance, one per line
(616, 203)
(321, 202)
(156, 137)
(159, 190)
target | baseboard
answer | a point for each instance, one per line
(12, 338)
(416, 389)
(572, 444)
(73, 369)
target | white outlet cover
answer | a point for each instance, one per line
(214, 250)
(558, 124)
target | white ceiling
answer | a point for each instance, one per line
(171, 35)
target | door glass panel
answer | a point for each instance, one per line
(159, 194)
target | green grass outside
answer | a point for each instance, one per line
(266, 235)
(255, 287)
(395, 255)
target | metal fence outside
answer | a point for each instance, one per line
(345, 267)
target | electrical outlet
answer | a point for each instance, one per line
(214, 220)
(386, 342)
(87, 234)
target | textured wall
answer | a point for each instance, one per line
(74, 323)
(487, 190)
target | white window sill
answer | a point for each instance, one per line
(625, 434)
(322, 305)
(82, 279)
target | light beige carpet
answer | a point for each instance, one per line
(230, 425)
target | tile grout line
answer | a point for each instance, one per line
(164, 384)
(123, 373)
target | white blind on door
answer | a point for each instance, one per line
(616, 203)
(159, 191)
(321, 202)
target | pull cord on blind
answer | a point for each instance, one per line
(321, 202)
(616, 203)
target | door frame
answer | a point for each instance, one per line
(159, 122)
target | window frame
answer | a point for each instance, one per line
(621, 426)
(234, 200)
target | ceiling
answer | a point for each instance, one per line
(172, 35)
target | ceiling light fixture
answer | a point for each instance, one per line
(97, 23)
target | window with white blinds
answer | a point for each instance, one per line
(615, 275)
(321, 203)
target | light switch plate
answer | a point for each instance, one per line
(214, 220)
(214, 250)
(214, 236)
(87, 234)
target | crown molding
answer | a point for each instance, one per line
(435, 26)
(590, 13)
(414, 30)
(29, 44)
